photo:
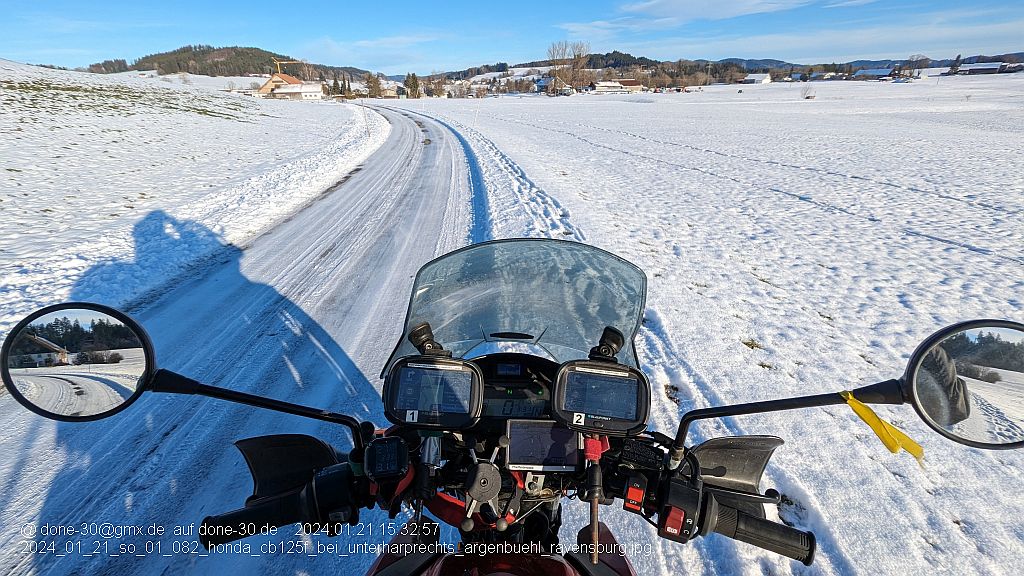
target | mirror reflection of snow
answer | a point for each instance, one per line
(82, 390)
(997, 412)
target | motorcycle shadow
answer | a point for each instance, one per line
(168, 460)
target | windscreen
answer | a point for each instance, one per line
(539, 296)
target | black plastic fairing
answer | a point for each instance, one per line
(737, 463)
(283, 462)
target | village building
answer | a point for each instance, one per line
(607, 87)
(873, 74)
(553, 86)
(982, 68)
(288, 87)
(632, 85)
(758, 79)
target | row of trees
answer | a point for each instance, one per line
(227, 61)
(71, 335)
(986, 349)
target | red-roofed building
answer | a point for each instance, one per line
(286, 86)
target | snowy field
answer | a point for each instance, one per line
(96, 168)
(792, 247)
(795, 247)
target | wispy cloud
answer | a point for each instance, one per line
(849, 3)
(605, 29)
(388, 53)
(47, 23)
(931, 36)
(396, 41)
(687, 10)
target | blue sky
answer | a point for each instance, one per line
(399, 37)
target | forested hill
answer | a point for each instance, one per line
(228, 61)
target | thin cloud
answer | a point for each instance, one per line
(388, 53)
(606, 29)
(850, 3)
(395, 41)
(938, 40)
(688, 10)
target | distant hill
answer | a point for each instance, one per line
(227, 61)
(618, 59)
(755, 64)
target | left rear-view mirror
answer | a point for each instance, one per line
(967, 383)
(77, 361)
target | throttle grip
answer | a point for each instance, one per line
(772, 536)
(248, 521)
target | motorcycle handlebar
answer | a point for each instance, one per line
(766, 534)
(327, 497)
(254, 518)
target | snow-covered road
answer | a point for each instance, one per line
(302, 313)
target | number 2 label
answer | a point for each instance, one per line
(578, 418)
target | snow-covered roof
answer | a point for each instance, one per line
(304, 87)
(758, 77)
(983, 66)
(292, 80)
(873, 72)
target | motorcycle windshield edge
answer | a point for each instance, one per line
(544, 297)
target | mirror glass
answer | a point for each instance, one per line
(75, 363)
(971, 384)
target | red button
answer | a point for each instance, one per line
(674, 522)
(635, 494)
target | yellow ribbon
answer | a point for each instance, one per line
(891, 436)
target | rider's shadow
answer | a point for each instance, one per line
(168, 460)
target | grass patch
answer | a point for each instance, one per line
(753, 344)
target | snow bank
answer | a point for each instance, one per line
(92, 167)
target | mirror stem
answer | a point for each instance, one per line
(887, 392)
(173, 383)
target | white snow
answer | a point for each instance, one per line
(792, 247)
(95, 168)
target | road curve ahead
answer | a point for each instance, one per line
(308, 313)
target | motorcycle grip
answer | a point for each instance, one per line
(766, 534)
(249, 521)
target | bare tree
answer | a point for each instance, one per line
(579, 54)
(308, 74)
(558, 56)
(916, 63)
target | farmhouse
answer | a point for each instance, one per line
(757, 79)
(982, 68)
(631, 85)
(610, 87)
(289, 87)
(872, 74)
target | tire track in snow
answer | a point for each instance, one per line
(548, 217)
(803, 197)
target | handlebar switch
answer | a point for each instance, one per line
(680, 503)
(636, 492)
